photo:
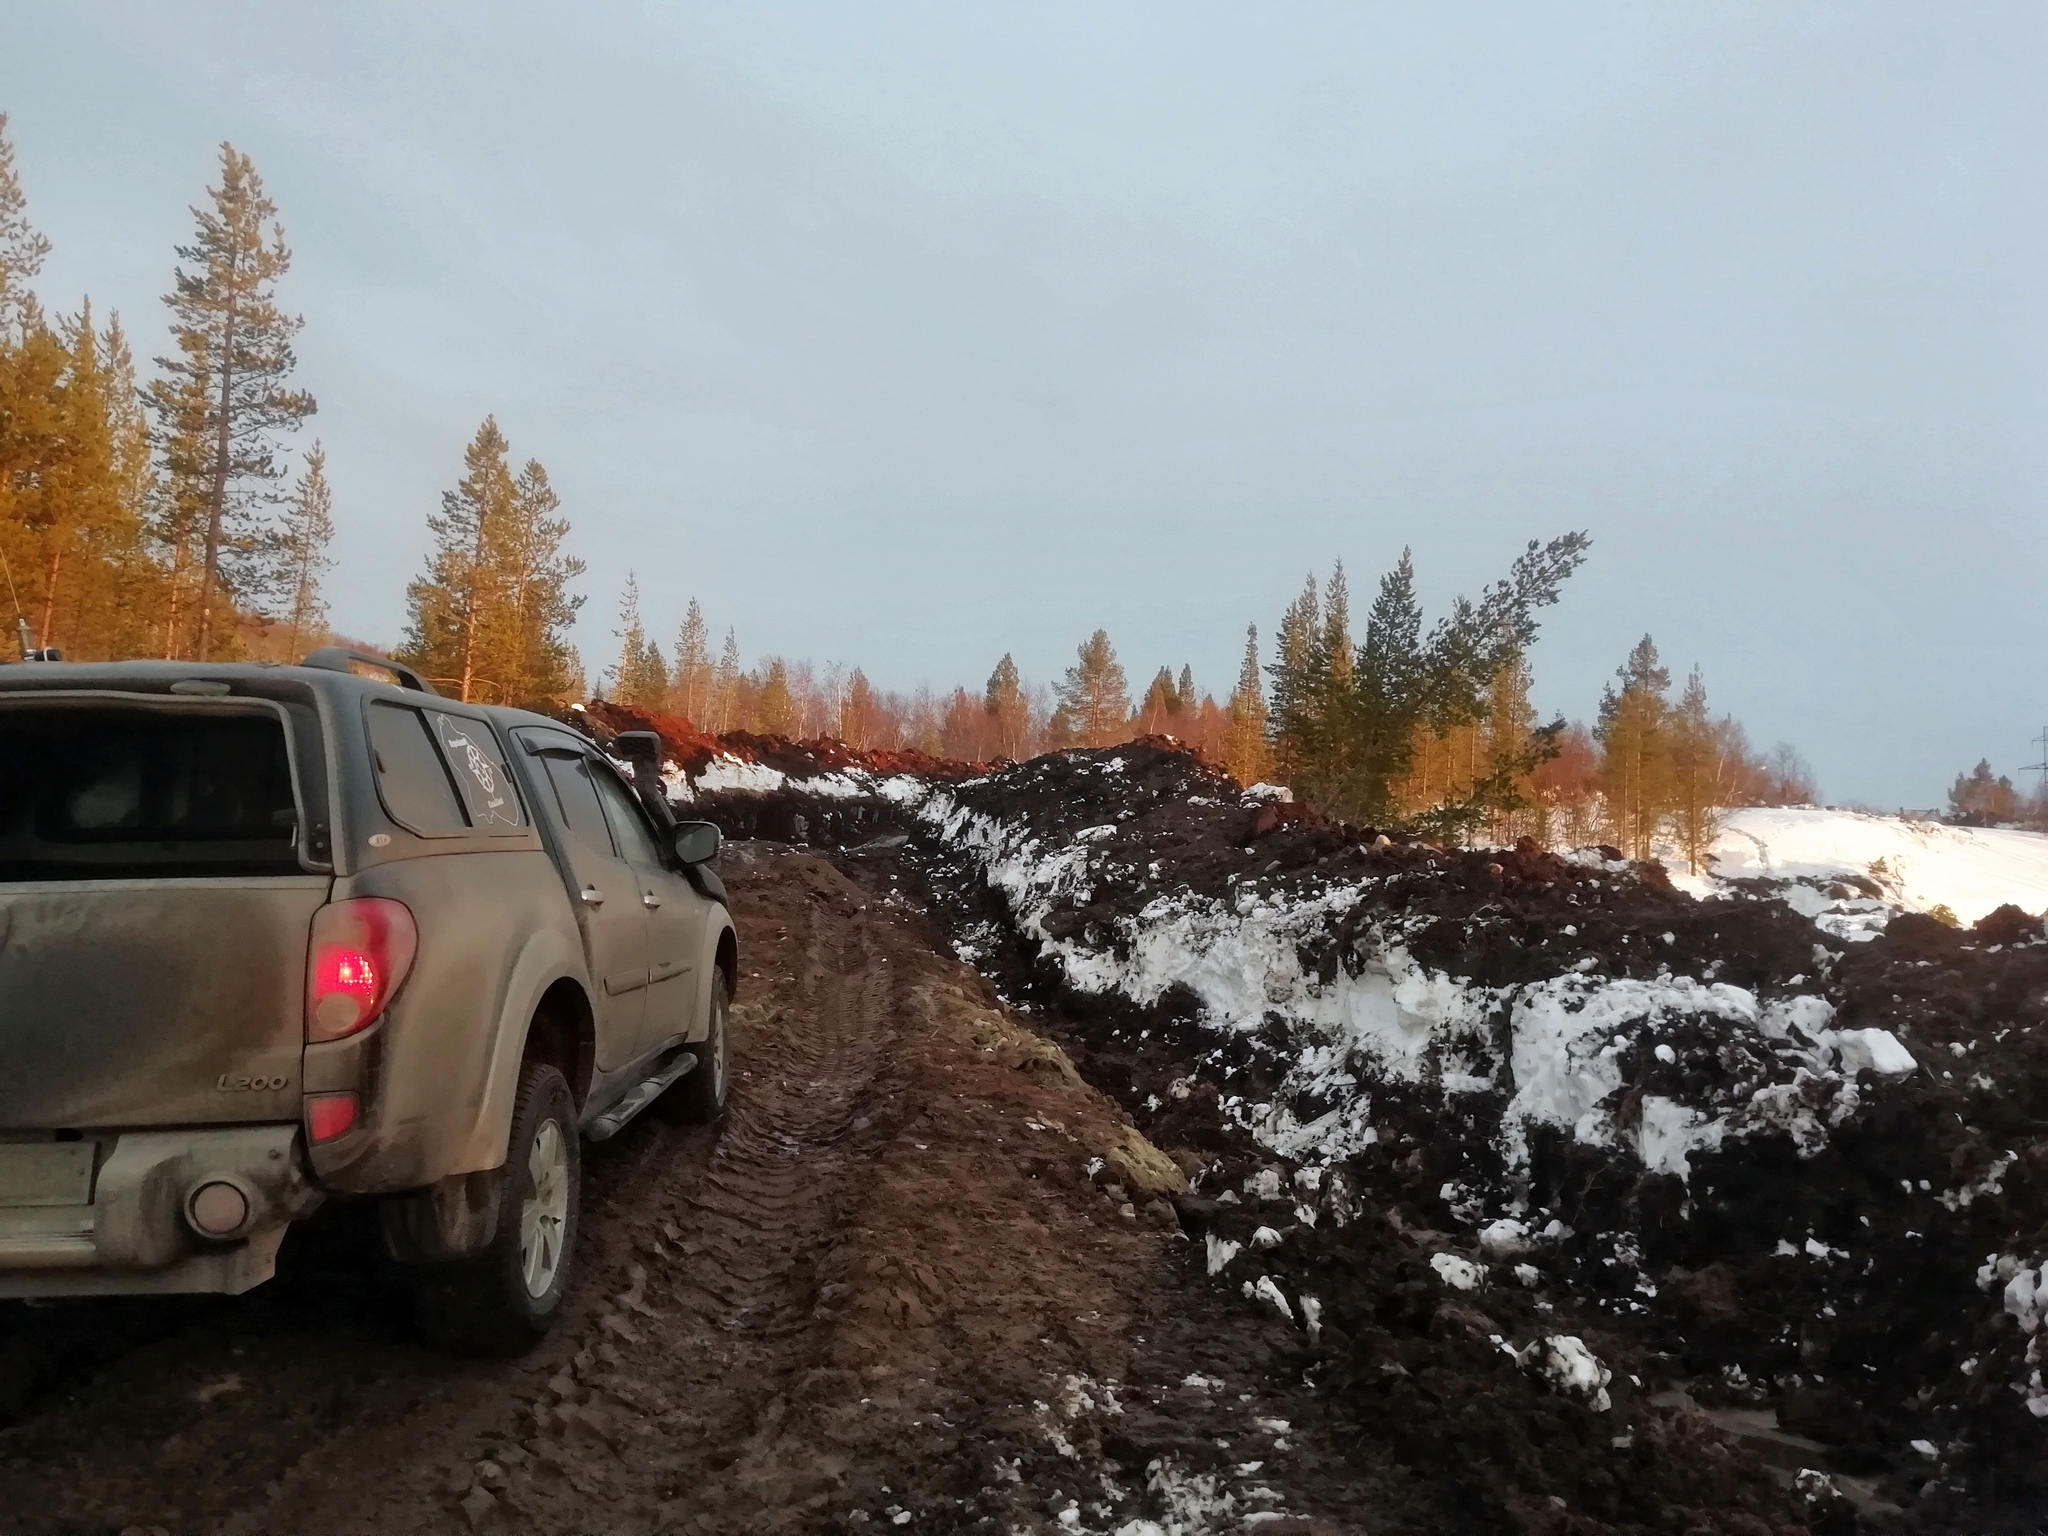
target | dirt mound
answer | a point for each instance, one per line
(1583, 1194)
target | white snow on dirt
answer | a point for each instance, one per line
(1919, 864)
(1397, 1021)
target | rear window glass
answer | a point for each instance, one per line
(411, 776)
(110, 793)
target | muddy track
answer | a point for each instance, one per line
(920, 1279)
(777, 1169)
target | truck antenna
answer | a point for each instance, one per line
(20, 618)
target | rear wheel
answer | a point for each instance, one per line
(700, 1097)
(504, 1299)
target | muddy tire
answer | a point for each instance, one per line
(502, 1301)
(700, 1098)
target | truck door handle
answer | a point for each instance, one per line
(592, 896)
(649, 900)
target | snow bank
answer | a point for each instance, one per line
(1917, 864)
(1570, 1041)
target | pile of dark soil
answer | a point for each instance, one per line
(1855, 1303)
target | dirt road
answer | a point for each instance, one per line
(923, 1278)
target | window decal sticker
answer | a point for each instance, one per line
(480, 773)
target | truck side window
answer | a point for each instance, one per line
(578, 797)
(629, 827)
(411, 777)
(480, 773)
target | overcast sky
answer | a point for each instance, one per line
(907, 335)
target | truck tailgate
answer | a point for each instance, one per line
(165, 1002)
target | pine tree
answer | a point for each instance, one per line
(727, 685)
(1184, 688)
(1094, 693)
(303, 562)
(1008, 709)
(1244, 751)
(22, 249)
(693, 674)
(1695, 775)
(1983, 799)
(223, 403)
(1635, 741)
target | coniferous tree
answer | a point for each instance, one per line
(22, 249)
(1008, 709)
(1184, 688)
(304, 533)
(1161, 703)
(1291, 715)
(727, 685)
(1981, 798)
(858, 712)
(1094, 694)
(490, 618)
(223, 402)
(1635, 743)
(1244, 750)
(457, 607)
(1390, 688)
(534, 573)
(638, 677)
(693, 675)
(1695, 775)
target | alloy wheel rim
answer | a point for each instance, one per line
(544, 1215)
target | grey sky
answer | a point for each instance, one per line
(906, 335)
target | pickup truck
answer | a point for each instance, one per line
(274, 936)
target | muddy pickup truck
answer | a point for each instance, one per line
(277, 936)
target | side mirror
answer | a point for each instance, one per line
(697, 842)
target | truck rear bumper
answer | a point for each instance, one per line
(137, 1232)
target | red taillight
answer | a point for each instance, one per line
(328, 1115)
(361, 952)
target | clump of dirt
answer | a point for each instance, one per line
(1823, 1303)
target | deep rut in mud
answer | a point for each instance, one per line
(922, 1278)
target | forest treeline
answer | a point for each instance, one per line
(171, 516)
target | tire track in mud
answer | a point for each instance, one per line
(777, 1165)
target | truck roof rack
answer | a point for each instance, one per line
(338, 658)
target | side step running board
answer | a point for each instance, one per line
(620, 1115)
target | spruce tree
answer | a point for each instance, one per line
(1244, 751)
(727, 685)
(626, 675)
(223, 401)
(1390, 695)
(533, 572)
(1635, 742)
(1184, 688)
(1160, 704)
(1094, 694)
(692, 674)
(1008, 709)
(778, 712)
(304, 533)
(457, 632)
(1291, 715)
